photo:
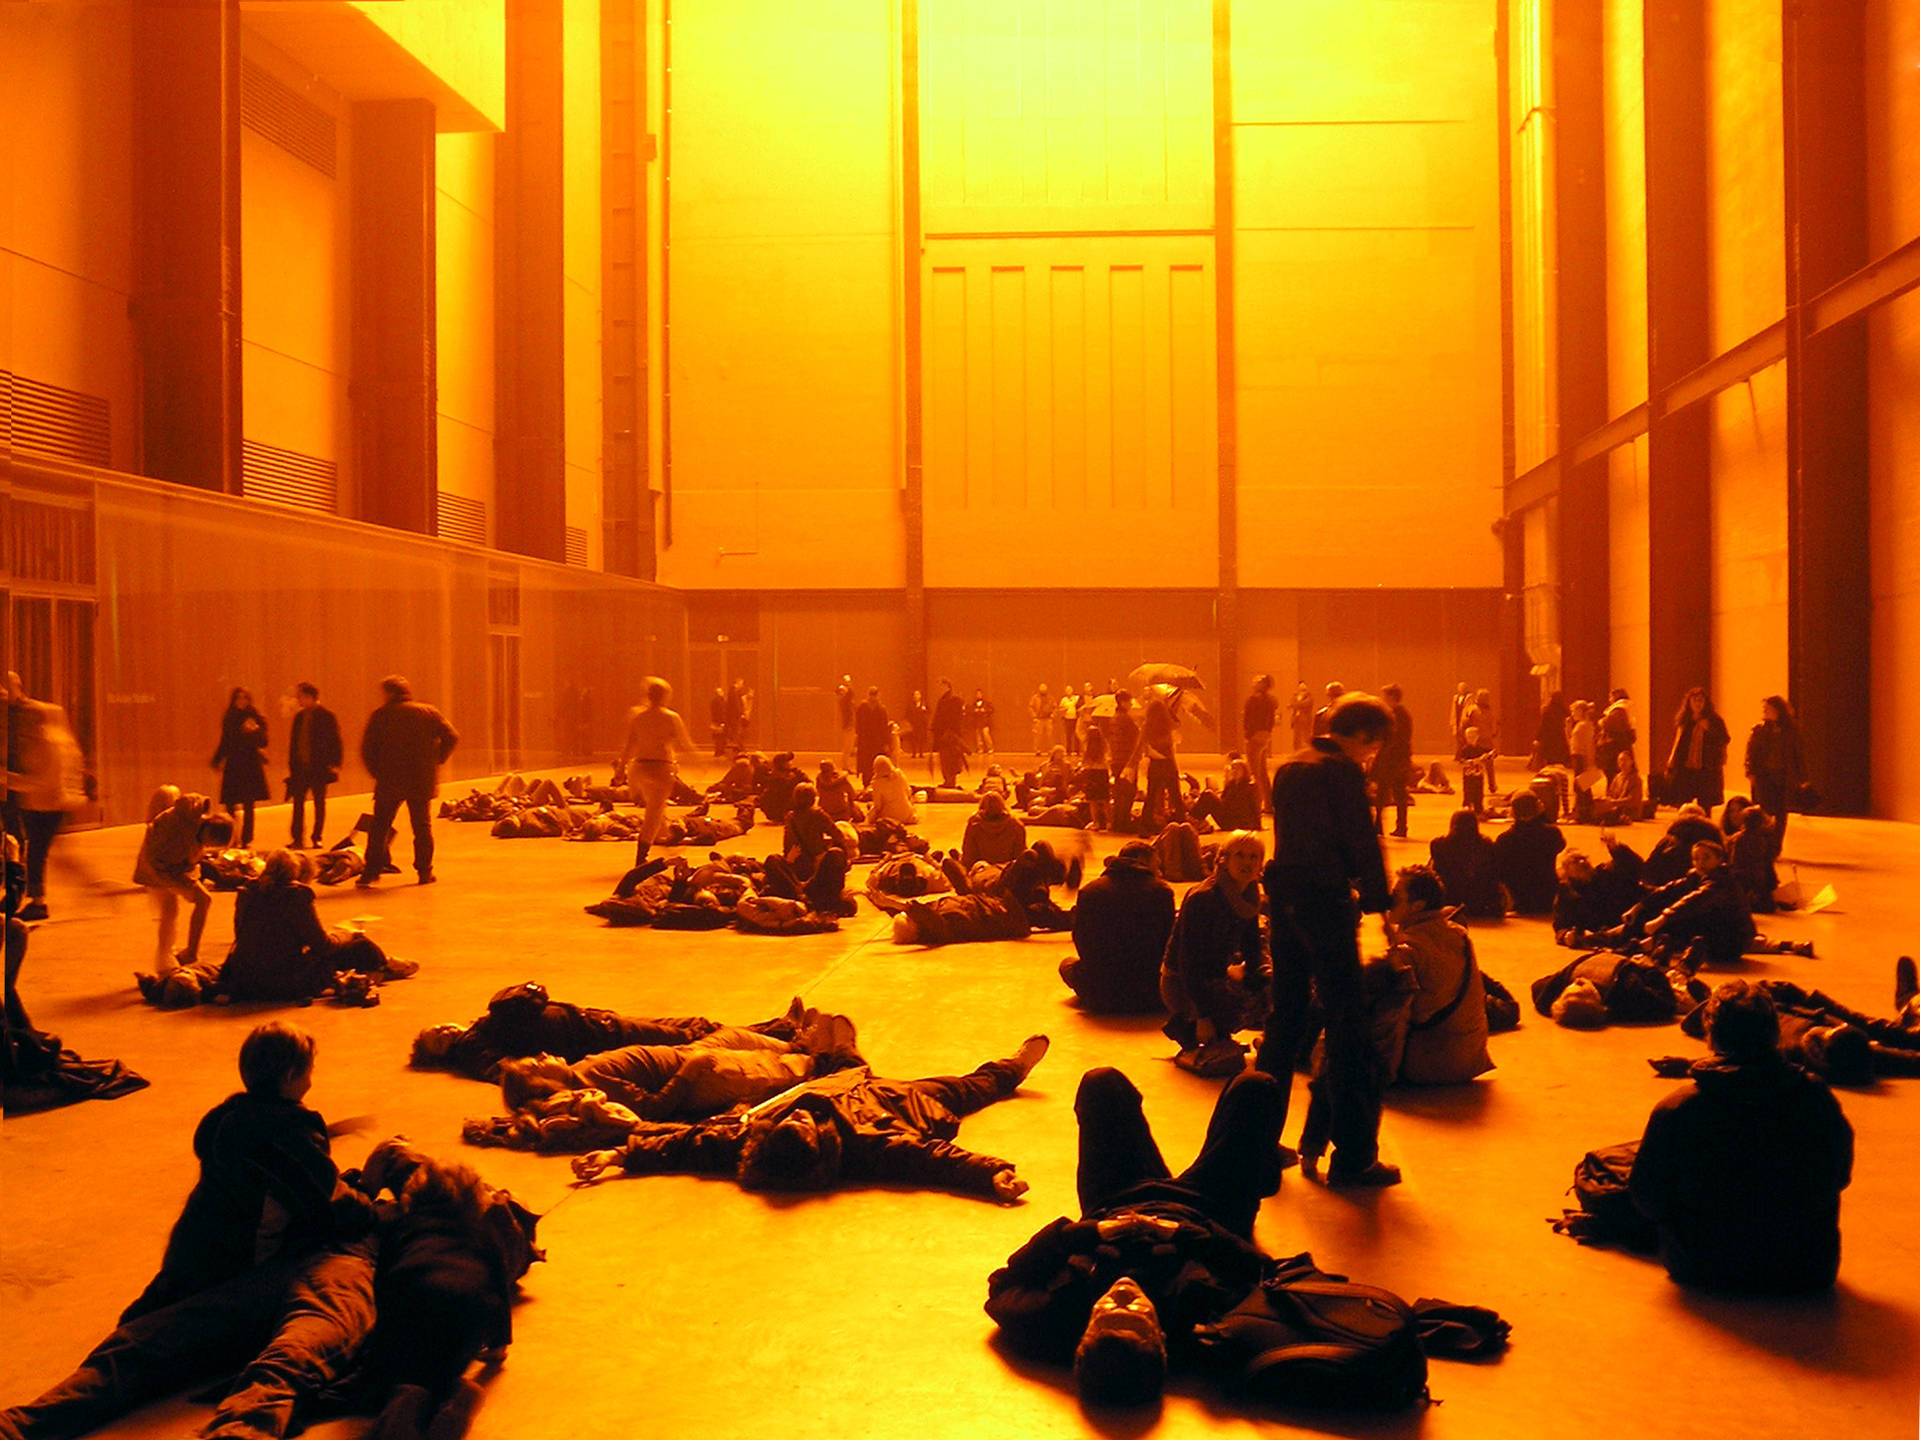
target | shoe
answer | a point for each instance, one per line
(366, 881)
(398, 969)
(298, 844)
(389, 869)
(1122, 1355)
(1031, 1052)
(1375, 1176)
(32, 910)
(1906, 981)
(428, 877)
(1289, 1157)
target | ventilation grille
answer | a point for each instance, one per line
(286, 477)
(503, 598)
(576, 545)
(53, 421)
(461, 519)
(272, 108)
(52, 544)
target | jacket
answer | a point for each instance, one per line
(892, 795)
(1323, 827)
(280, 948)
(321, 732)
(1207, 937)
(1524, 853)
(405, 743)
(47, 770)
(1713, 746)
(1121, 924)
(1469, 870)
(1742, 1173)
(1447, 1022)
(243, 754)
(995, 839)
(1773, 754)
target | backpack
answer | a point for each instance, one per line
(1308, 1338)
(1607, 1214)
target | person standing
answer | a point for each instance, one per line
(1069, 712)
(980, 716)
(1256, 723)
(717, 720)
(1479, 716)
(872, 735)
(916, 727)
(1040, 710)
(1696, 765)
(403, 747)
(655, 736)
(1325, 713)
(314, 754)
(1550, 744)
(1458, 707)
(1327, 869)
(1300, 717)
(1390, 767)
(241, 759)
(737, 711)
(1774, 762)
(46, 781)
(843, 707)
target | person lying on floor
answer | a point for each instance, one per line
(1121, 921)
(1742, 1171)
(853, 1127)
(741, 782)
(1214, 975)
(451, 1253)
(724, 1068)
(1839, 1044)
(1007, 903)
(523, 1020)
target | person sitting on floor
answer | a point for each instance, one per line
(1121, 922)
(1592, 898)
(776, 789)
(1468, 867)
(1213, 977)
(282, 952)
(1698, 919)
(1753, 849)
(1236, 805)
(993, 834)
(810, 833)
(853, 1126)
(523, 1020)
(1672, 855)
(1524, 854)
(1742, 1172)
(892, 795)
(835, 794)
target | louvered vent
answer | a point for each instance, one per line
(48, 543)
(576, 545)
(272, 108)
(461, 519)
(286, 477)
(53, 421)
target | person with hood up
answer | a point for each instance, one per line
(892, 795)
(994, 833)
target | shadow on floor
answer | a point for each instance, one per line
(1840, 1331)
(1455, 1104)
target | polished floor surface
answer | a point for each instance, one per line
(684, 1307)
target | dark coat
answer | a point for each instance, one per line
(1550, 740)
(1207, 937)
(1469, 870)
(1600, 903)
(1773, 755)
(1323, 827)
(324, 751)
(994, 839)
(1708, 909)
(1713, 747)
(1742, 1173)
(243, 751)
(871, 735)
(1672, 856)
(949, 715)
(1121, 923)
(406, 742)
(1524, 854)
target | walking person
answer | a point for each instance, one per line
(655, 736)
(241, 759)
(1775, 763)
(403, 747)
(46, 781)
(1326, 871)
(1256, 723)
(1299, 718)
(314, 755)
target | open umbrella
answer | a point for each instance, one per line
(1104, 707)
(1174, 677)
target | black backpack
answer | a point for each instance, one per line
(1607, 1214)
(1307, 1338)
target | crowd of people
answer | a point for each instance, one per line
(292, 1278)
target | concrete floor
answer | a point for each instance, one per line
(683, 1307)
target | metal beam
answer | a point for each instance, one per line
(913, 490)
(626, 507)
(1225, 378)
(1872, 285)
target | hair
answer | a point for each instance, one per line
(1685, 712)
(1094, 746)
(282, 867)
(1617, 694)
(396, 687)
(1712, 847)
(215, 829)
(658, 691)
(233, 699)
(1241, 840)
(1057, 755)
(307, 687)
(1754, 819)
(1464, 822)
(1361, 717)
(1392, 692)
(1742, 1023)
(1122, 697)
(1569, 860)
(1782, 708)
(872, 691)
(993, 803)
(1113, 1370)
(1422, 884)
(273, 1054)
(804, 796)
(1526, 806)
(778, 1155)
(1627, 757)
(1263, 682)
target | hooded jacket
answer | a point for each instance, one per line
(1447, 1023)
(892, 795)
(1742, 1173)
